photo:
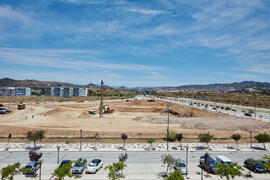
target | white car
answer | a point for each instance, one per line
(94, 166)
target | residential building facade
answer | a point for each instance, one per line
(15, 91)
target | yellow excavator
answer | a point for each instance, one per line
(21, 106)
(106, 109)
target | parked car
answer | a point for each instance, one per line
(3, 111)
(94, 166)
(64, 162)
(223, 159)
(92, 112)
(214, 108)
(33, 167)
(79, 166)
(255, 166)
(208, 163)
(181, 166)
(248, 114)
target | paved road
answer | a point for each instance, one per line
(133, 157)
(140, 165)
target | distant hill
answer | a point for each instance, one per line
(7, 82)
(223, 87)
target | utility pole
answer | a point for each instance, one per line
(101, 99)
(168, 123)
(255, 106)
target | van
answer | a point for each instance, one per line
(223, 159)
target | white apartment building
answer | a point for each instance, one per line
(66, 92)
(15, 91)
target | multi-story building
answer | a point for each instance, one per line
(80, 92)
(15, 91)
(66, 92)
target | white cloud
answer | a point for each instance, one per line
(66, 58)
(146, 11)
(8, 13)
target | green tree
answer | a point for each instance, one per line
(63, 171)
(176, 175)
(171, 136)
(116, 170)
(8, 172)
(168, 161)
(206, 138)
(35, 135)
(150, 141)
(236, 137)
(267, 163)
(228, 170)
(262, 138)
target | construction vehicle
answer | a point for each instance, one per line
(106, 109)
(21, 106)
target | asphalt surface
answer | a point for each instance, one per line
(133, 157)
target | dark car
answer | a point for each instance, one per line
(255, 166)
(208, 163)
(248, 114)
(32, 167)
(64, 162)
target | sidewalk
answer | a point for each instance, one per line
(158, 147)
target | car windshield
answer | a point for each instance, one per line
(227, 162)
(93, 164)
(259, 165)
(182, 165)
(212, 163)
(29, 167)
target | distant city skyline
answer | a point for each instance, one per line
(135, 43)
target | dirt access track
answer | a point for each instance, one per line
(136, 118)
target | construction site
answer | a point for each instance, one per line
(137, 118)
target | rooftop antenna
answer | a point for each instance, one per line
(101, 99)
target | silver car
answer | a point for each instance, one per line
(181, 166)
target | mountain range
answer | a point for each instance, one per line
(7, 82)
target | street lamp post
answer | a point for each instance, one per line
(58, 149)
(187, 158)
(40, 170)
(81, 139)
(250, 139)
(168, 123)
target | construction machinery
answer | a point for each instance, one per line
(21, 106)
(106, 109)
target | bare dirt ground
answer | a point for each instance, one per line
(136, 118)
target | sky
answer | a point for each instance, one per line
(135, 42)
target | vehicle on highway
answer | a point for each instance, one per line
(79, 166)
(94, 166)
(64, 162)
(181, 166)
(223, 159)
(255, 166)
(214, 108)
(248, 114)
(208, 163)
(32, 167)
